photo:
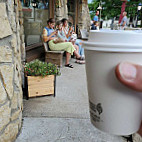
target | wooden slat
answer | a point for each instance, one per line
(53, 51)
(33, 46)
(40, 86)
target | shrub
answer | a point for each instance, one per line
(39, 68)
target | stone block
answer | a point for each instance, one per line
(6, 72)
(14, 101)
(15, 115)
(20, 120)
(14, 43)
(21, 21)
(10, 133)
(22, 40)
(10, 5)
(17, 77)
(5, 29)
(13, 23)
(20, 100)
(6, 54)
(3, 95)
(18, 39)
(17, 11)
(5, 112)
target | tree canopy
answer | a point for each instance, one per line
(112, 8)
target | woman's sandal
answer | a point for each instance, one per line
(80, 58)
(80, 62)
(69, 65)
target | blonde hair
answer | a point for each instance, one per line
(124, 13)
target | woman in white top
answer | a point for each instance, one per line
(68, 32)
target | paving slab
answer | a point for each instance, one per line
(62, 130)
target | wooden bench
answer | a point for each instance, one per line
(55, 57)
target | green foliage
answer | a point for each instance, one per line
(38, 68)
(112, 8)
(93, 7)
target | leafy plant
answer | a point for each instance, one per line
(39, 68)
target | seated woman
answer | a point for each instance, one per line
(68, 32)
(95, 25)
(49, 35)
(61, 35)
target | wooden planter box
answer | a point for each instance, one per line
(40, 86)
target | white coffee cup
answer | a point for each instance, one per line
(114, 108)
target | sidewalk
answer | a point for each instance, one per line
(64, 118)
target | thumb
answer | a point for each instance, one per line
(130, 75)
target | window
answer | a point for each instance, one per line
(40, 4)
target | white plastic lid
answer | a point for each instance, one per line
(112, 40)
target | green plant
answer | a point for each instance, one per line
(39, 68)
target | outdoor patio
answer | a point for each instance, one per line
(64, 118)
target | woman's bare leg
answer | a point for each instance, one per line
(76, 54)
(77, 48)
(67, 57)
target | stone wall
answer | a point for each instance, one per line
(61, 10)
(12, 49)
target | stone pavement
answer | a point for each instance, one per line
(64, 118)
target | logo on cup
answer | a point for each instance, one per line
(95, 111)
(99, 108)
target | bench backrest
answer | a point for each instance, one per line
(45, 44)
(46, 48)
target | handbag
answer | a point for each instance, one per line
(58, 40)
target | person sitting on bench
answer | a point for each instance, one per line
(61, 35)
(49, 35)
(68, 31)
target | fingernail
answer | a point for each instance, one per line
(127, 71)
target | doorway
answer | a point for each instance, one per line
(73, 10)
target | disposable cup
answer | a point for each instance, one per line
(114, 108)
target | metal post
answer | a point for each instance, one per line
(100, 10)
(34, 13)
(100, 14)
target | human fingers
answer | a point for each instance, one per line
(130, 75)
(140, 130)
